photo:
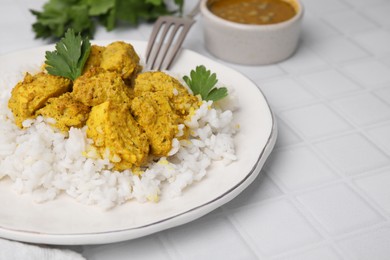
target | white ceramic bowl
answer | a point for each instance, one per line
(251, 44)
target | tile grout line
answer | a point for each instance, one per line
(164, 240)
(241, 233)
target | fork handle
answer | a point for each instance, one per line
(194, 11)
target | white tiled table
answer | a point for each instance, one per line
(325, 191)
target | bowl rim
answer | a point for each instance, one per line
(205, 11)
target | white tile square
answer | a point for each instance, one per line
(319, 6)
(275, 227)
(303, 60)
(369, 72)
(209, 238)
(349, 22)
(11, 46)
(6, 2)
(19, 20)
(118, 33)
(285, 92)
(329, 83)
(363, 109)
(261, 189)
(17, 32)
(384, 94)
(371, 245)
(376, 186)
(315, 121)
(385, 59)
(25, 33)
(319, 253)
(298, 168)
(258, 73)
(26, 6)
(145, 29)
(376, 42)
(196, 45)
(380, 136)
(339, 209)
(364, 3)
(139, 249)
(314, 29)
(286, 136)
(37, 4)
(352, 154)
(378, 13)
(338, 50)
(11, 13)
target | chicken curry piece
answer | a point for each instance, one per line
(154, 114)
(66, 111)
(164, 85)
(98, 85)
(121, 57)
(112, 127)
(130, 116)
(94, 58)
(32, 93)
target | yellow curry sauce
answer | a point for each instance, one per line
(253, 11)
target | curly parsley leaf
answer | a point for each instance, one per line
(69, 56)
(202, 82)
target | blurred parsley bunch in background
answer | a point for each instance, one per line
(83, 15)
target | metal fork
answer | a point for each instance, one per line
(166, 39)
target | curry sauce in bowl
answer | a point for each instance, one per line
(253, 11)
(252, 32)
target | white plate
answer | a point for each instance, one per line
(64, 221)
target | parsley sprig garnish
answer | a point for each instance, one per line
(83, 16)
(202, 82)
(69, 56)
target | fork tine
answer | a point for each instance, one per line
(167, 56)
(168, 44)
(152, 47)
(176, 47)
(172, 45)
(152, 39)
(156, 58)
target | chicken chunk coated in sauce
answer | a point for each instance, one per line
(163, 84)
(155, 115)
(32, 93)
(94, 58)
(98, 85)
(117, 57)
(121, 57)
(114, 129)
(66, 111)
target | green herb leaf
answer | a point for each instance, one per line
(100, 7)
(154, 2)
(57, 16)
(69, 57)
(202, 82)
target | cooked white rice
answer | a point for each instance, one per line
(42, 162)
